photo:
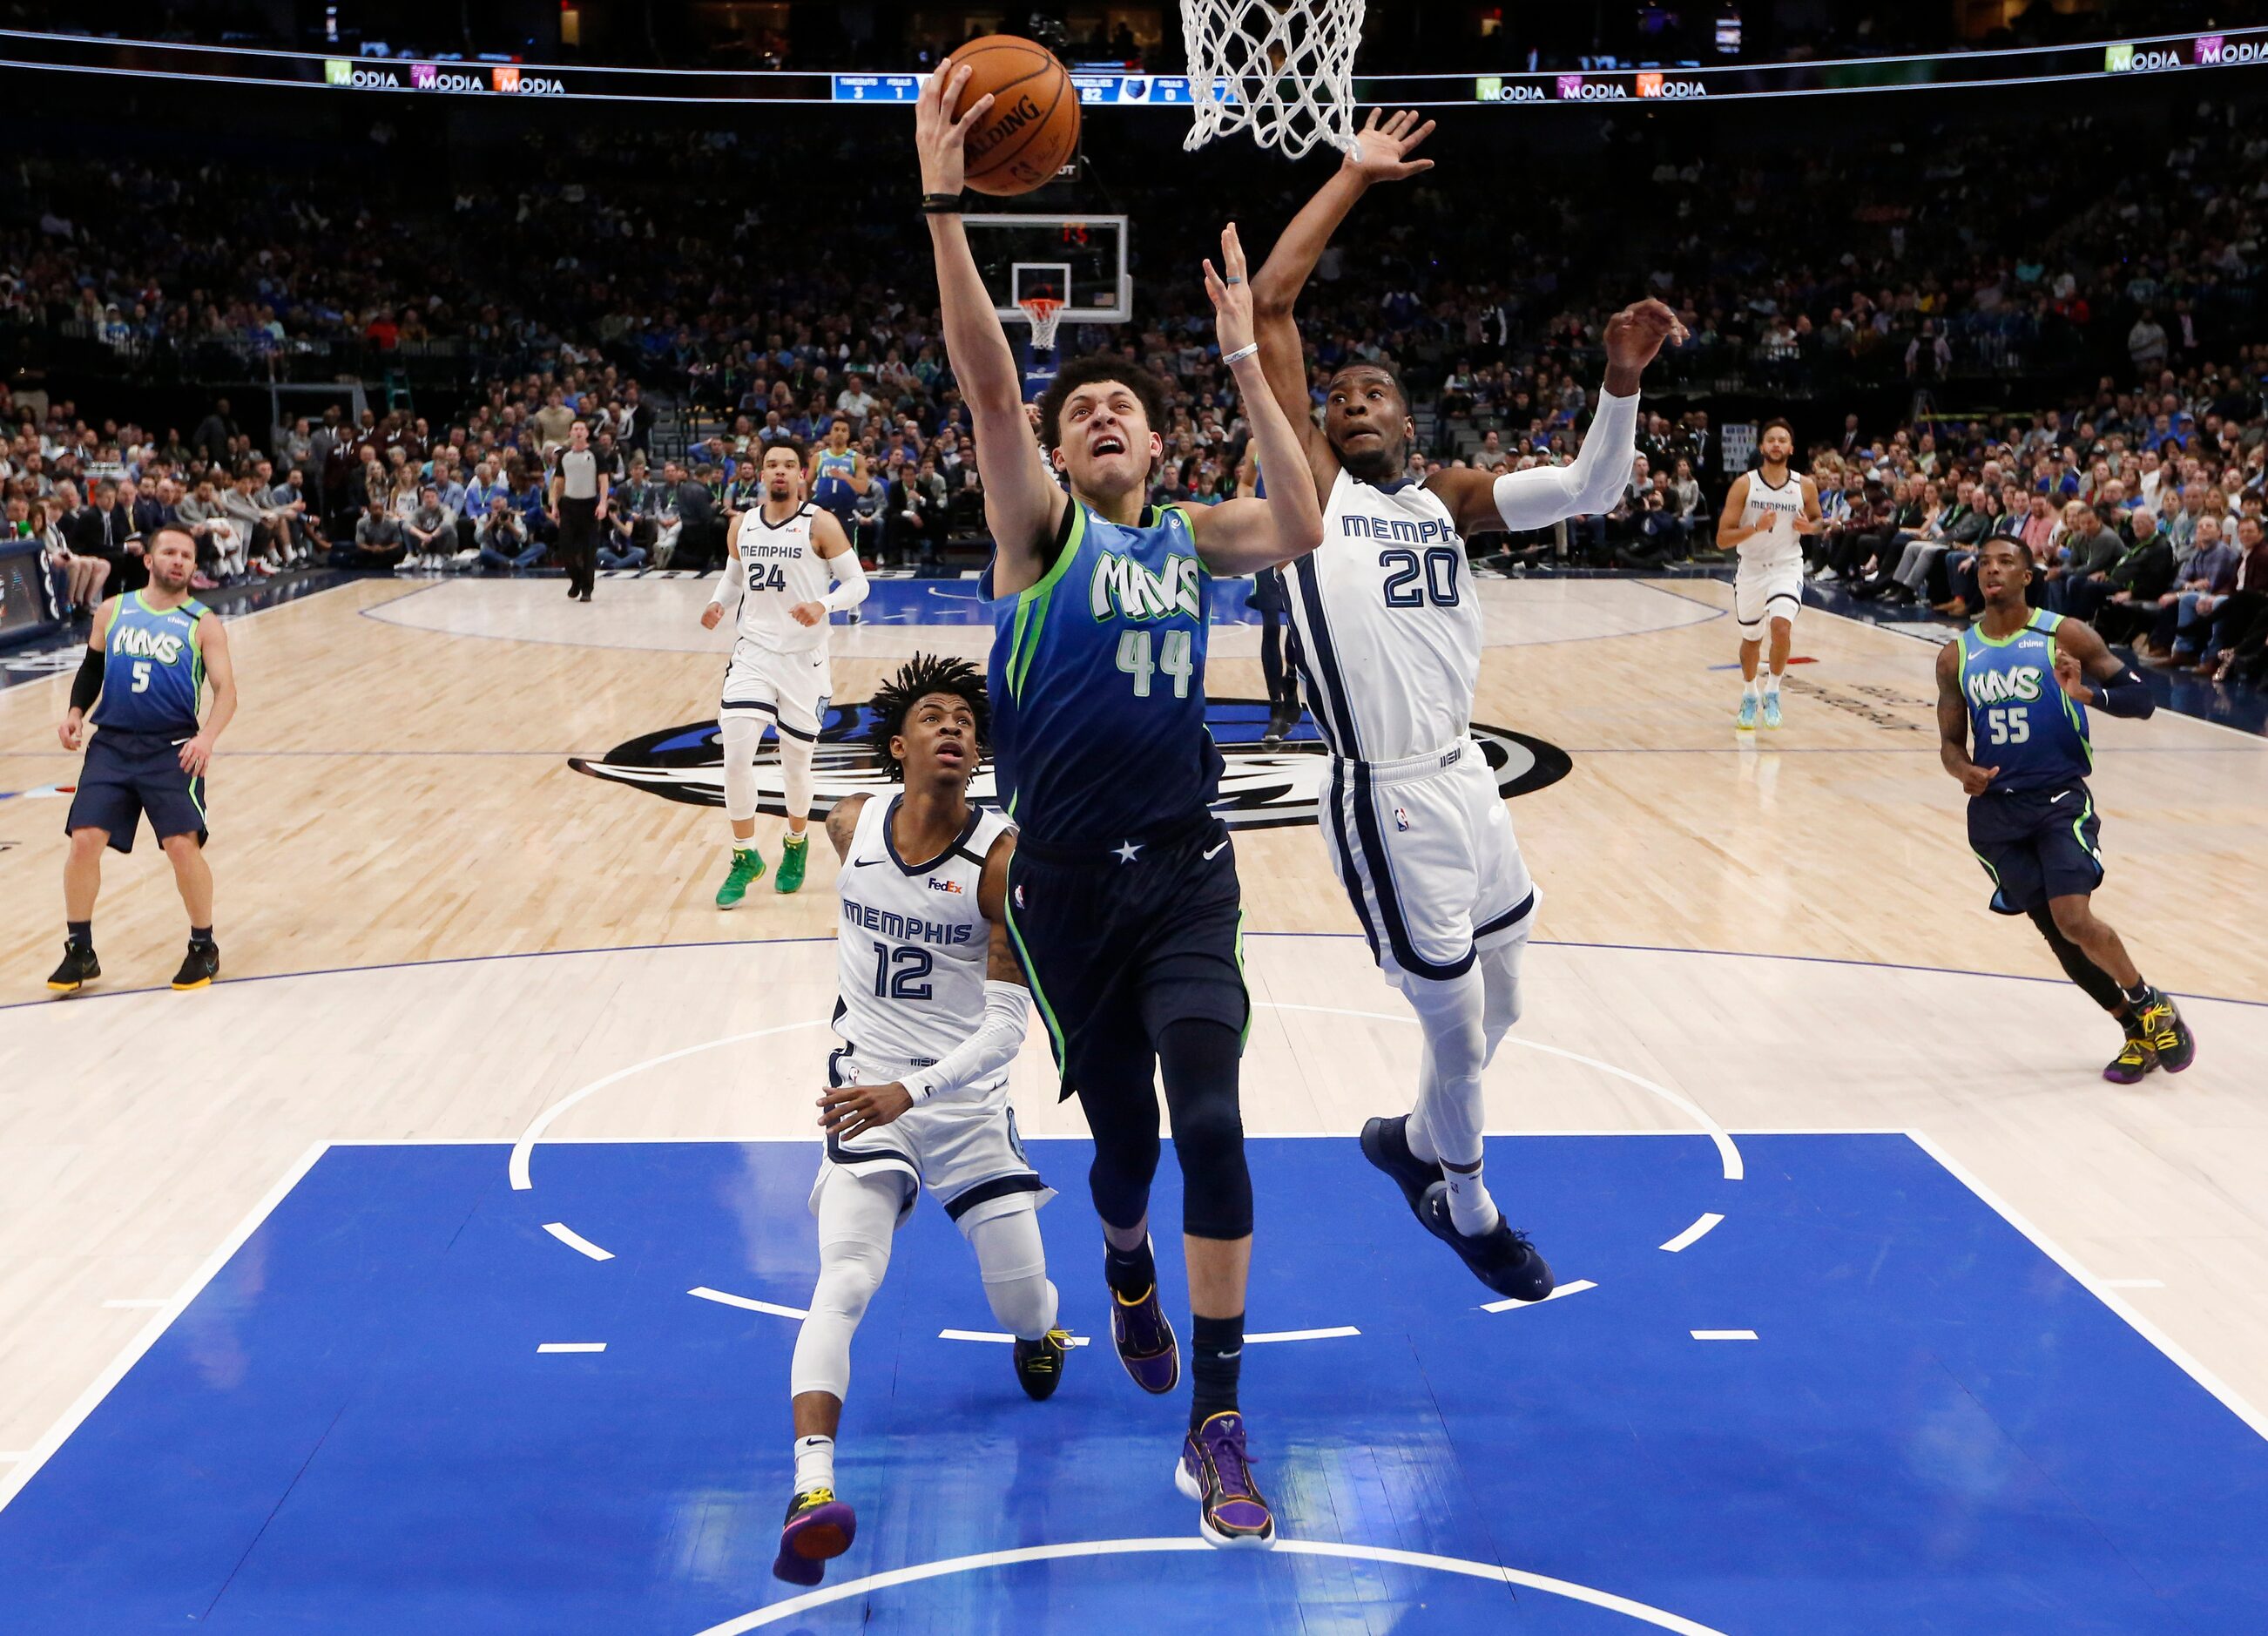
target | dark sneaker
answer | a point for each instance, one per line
(1502, 1259)
(1217, 1473)
(1386, 1143)
(199, 966)
(2134, 1059)
(795, 852)
(2169, 1035)
(819, 1527)
(1144, 1339)
(1039, 1363)
(79, 968)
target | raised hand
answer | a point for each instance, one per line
(940, 135)
(1231, 290)
(1635, 334)
(1382, 150)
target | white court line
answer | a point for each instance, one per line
(1726, 1152)
(573, 1346)
(746, 1303)
(525, 1147)
(1575, 1288)
(40, 1452)
(575, 1240)
(9, 1456)
(859, 1587)
(1722, 1334)
(2101, 1291)
(1338, 1333)
(1695, 1233)
(987, 1334)
(2133, 1283)
(137, 1302)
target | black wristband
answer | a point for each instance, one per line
(941, 204)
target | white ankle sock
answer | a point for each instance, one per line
(1471, 1210)
(1771, 683)
(1753, 687)
(814, 1464)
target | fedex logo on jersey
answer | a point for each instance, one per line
(905, 928)
(936, 885)
(138, 642)
(1399, 530)
(1127, 588)
(2023, 685)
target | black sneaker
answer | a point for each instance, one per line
(199, 966)
(79, 968)
(2135, 1058)
(1501, 1258)
(1039, 1364)
(1386, 1143)
(2169, 1035)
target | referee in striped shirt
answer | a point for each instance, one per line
(579, 502)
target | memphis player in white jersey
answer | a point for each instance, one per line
(782, 556)
(1767, 512)
(932, 1012)
(1390, 631)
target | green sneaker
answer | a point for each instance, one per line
(747, 867)
(795, 851)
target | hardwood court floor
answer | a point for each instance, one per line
(1787, 933)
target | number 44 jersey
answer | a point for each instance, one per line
(912, 942)
(1098, 684)
(1389, 631)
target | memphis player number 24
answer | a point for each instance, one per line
(766, 576)
(1172, 656)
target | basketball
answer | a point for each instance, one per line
(1031, 130)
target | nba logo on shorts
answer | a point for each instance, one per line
(1019, 894)
(1402, 819)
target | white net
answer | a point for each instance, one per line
(1043, 313)
(1282, 69)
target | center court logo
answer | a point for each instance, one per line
(1260, 788)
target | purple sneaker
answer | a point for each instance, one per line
(1144, 1339)
(1217, 1473)
(818, 1527)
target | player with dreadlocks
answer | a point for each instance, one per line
(916, 1096)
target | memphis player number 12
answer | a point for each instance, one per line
(1172, 656)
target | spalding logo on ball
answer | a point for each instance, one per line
(1031, 130)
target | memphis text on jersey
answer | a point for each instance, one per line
(1126, 589)
(1398, 530)
(908, 928)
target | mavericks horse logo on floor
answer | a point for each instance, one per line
(1260, 789)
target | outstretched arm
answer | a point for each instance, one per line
(1381, 157)
(1241, 536)
(1023, 504)
(1593, 482)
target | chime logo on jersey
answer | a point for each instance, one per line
(1260, 788)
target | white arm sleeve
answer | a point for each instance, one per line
(849, 587)
(1591, 484)
(994, 1045)
(731, 583)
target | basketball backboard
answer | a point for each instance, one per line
(1083, 257)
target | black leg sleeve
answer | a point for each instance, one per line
(1198, 1057)
(2099, 986)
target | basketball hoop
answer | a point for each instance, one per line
(1282, 68)
(1043, 313)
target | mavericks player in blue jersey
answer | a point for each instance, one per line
(2013, 689)
(147, 660)
(1122, 895)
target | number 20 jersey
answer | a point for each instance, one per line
(1390, 631)
(1097, 681)
(912, 943)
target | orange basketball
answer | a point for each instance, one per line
(1031, 130)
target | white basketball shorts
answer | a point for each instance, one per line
(964, 1149)
(1427, 855)
(790, 688)
(1764, 596)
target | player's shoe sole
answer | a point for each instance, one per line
(818, 1529)
(1502, 1259)
(1386, 1143)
